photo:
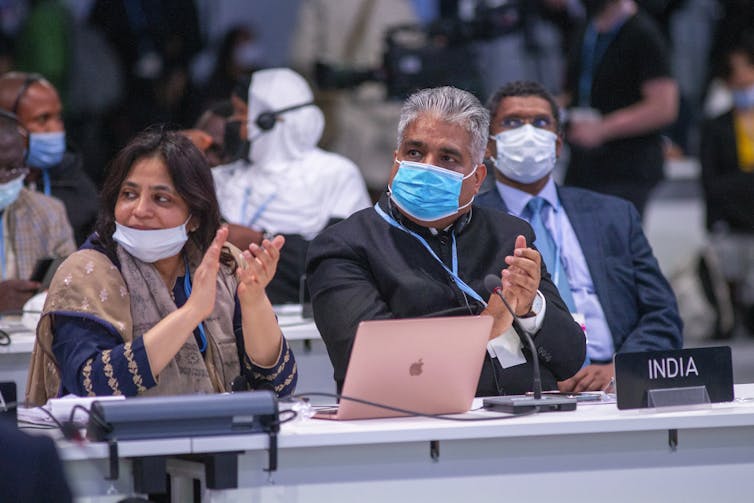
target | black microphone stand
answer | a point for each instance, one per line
(520, 404)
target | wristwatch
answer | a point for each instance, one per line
(536, 306)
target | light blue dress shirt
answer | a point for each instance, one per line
(600, 346)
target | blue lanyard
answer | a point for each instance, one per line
(2, 246)
(46, 181)
(591, 57)
(257, 214)
(454, 272)
(187, 290)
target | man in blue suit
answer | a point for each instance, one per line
(593, 244)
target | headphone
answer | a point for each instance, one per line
(10, 116)
(21, 129)
(266, 120)
(30, 79)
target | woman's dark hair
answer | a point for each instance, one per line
(187, 168)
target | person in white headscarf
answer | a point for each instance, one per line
(288, 185)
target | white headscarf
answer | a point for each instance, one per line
(296, 133)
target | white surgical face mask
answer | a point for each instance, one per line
(151, 245)
(526, 154)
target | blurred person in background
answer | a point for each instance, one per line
(154, 42)
(351, 36)
(727, 157)
(54, 170)
(216, 135)
(621, 93)
(44, 42)
(287, 185)
(239, 55)
(32, 226)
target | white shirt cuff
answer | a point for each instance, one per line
(538, 307)
(507, 346)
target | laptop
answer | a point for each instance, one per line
(427, 365)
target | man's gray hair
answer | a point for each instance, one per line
(451, 105)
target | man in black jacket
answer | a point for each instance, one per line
(422, 250)
(54, 170)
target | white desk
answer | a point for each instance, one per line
(293, 325)
(14, 358)
(315, 372)
(314, 367)
(596, 453)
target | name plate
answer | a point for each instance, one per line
(676, 377)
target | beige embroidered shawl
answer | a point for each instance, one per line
(132, 301)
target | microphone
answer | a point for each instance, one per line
(519, 404)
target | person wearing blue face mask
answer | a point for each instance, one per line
(425, 249)
(32, 225)
(727, 158)
(592, 244)
(54, 171)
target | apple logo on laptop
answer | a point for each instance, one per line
(416, 368)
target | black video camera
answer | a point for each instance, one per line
(416, 57)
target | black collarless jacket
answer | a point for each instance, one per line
(363, 269)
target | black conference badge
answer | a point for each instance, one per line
(672, 378)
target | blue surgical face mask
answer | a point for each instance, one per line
(46, 149)
(9, 191)
(427, 192)
(743, 99)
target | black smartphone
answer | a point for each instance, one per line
(44, 270)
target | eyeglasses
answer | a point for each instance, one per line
(539, 121)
